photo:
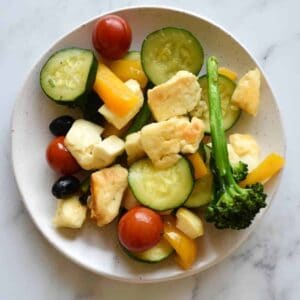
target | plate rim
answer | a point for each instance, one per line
(52, 242)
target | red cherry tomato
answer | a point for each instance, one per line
(111, 37)
(140, 229)
(60, 159)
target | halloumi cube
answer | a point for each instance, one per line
(80, 141)
(70, 213)
(246, 148)
(107, 188)
(133, 147)
(107, 151)
(247, 93)
(163, 141)
(176, 97)
(120, 122)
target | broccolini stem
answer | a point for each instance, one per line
(219, 144)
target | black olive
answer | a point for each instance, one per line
(61, 125)
(65, 186)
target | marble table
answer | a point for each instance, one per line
(266, 267)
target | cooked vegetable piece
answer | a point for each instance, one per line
(129, 201)
(156, 254)
(65, 186)
(247, 93)
(141, 119)
(61, 125)
(228, 73)
(161, 189)
(185, 247)
(70, 213)
(121, 121)
(129, 67)
(111, 36)
(202, 192)
(232, 206)
(189, 223)
(169, 50)
(272, 164)
(200, 169)
(118, 97)
(140, 229)
(230, 112)
(107, 188)
(68, 75)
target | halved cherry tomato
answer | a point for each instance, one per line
(185, 247)
(60, 159)
(112, 37)
(140, 229)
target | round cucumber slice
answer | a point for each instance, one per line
(155, 254)
(169, 50)
(161, 189)
(68, 75)
(231, 112)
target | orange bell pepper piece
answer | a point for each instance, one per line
(185, 247)
(115, 94)
(228, 73)
(265, 170)
(127, 69)
(200, 169)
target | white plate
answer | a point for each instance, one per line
(97, 249)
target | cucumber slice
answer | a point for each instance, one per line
(155, 254)
(132, 55)
(202, 192)
(68, 75)
(161, 189)
(169, 50)
(231, 113)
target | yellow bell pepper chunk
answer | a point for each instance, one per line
(115, 94)
(265, 170)
(185, 247)
(127, 69)
(228, 73)
(200, 169)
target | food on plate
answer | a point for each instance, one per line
(107, 189)
(140, 229)
(65, 186)
(169, 50)
(60, 159)
(230, 112)
(149, 154)
(175, 97)
(111, 36)
(247, 92)
(68, 75)
(70, 213)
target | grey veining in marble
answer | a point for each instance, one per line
(266, 267)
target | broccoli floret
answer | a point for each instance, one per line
(232, 206)
(239, 171)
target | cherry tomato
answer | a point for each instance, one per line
(140, 229)
(111, 37)
(60, 159)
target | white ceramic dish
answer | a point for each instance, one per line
(97, 249)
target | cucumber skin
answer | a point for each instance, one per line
(174, 207)
(149, 262)
(80, 100)
(169, 27)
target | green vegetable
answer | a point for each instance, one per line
(68, 75)
(239, 171)
(230, 112)
(155, 254)
(161, 189)
(169, 50)
(85, 190)
(232, 206)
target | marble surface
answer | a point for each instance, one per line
(266, 267)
